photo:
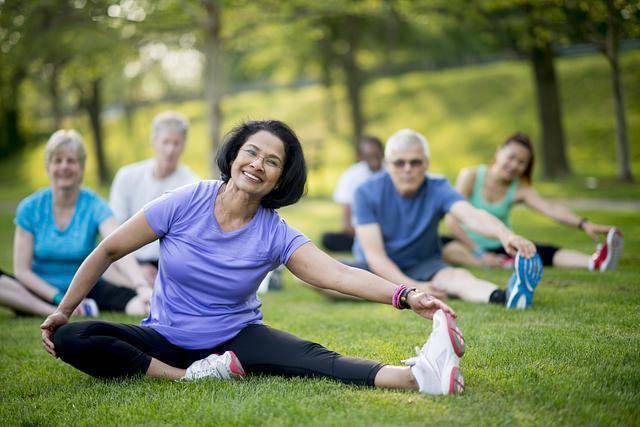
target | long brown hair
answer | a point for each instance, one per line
(523, 140)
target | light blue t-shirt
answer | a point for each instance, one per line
(409, 225)
(57, 254)
(205, 291)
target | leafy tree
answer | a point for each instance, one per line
(530, 29)
(605, 23)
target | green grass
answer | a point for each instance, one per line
(465, 113)
(572, 360)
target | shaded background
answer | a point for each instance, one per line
(465, 73)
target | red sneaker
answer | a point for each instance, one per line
(607, 256)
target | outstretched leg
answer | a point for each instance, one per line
(265, 350)
(461, 283)
(567, 258)
(15, 296)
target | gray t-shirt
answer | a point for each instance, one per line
(134, 186)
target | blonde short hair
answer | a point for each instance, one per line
(65, 138)
(405, 138)
(169, 120)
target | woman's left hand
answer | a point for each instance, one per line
(48, 328)
(593, 230)
(425, 305)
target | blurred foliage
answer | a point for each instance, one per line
(464, 112)
(150, 53)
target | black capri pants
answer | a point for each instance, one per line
(113, 350)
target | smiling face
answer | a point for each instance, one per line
(258, 165)
(511, 161)
(65, 169)
(168, 145)
(407, 166)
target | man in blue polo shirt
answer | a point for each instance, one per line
(396, 222)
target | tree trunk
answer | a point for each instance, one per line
(353, 77)
(554, 159)
(54, 96)
(326, 58)
(11, 137)
(93, 106)
(611, 51)
(129, 108)
(213, 77)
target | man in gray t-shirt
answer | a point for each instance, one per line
(396, 223)
(137, 184)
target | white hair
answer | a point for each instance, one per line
(65, 138)
(169, 120)
(405, 138)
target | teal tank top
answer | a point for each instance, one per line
(499, 209)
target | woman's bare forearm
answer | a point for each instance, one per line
(37, 284)
(85, 279)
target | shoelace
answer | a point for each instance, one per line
(413, 360)
(204, 367)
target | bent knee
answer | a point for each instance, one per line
(67, 339)
(63, 339)
(137, 306)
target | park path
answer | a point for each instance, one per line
(615, 205)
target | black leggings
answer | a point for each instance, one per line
(546, 252)
(337, 242)
(114, 350)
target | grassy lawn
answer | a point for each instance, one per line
(571, 360)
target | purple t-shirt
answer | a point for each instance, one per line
(205, 291)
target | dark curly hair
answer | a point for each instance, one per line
(292, 184)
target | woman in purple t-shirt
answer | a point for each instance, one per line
(218, 239)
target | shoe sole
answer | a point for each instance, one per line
(237, 371)
(615, 242)
(456, 381)
(455, 334)
(528, 273)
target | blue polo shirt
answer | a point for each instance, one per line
(409, 225)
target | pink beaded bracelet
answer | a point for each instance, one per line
(395, 300)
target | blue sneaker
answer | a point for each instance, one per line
(523, 282)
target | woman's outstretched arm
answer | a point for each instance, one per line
(561, 213)
(313, 266)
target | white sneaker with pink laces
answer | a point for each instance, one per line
(225, 367)
(436, 367)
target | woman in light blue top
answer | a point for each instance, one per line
(496, 188)
(56, 229)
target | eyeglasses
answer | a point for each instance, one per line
(270, 162)
(414, 163)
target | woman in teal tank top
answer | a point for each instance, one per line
(496, 188)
